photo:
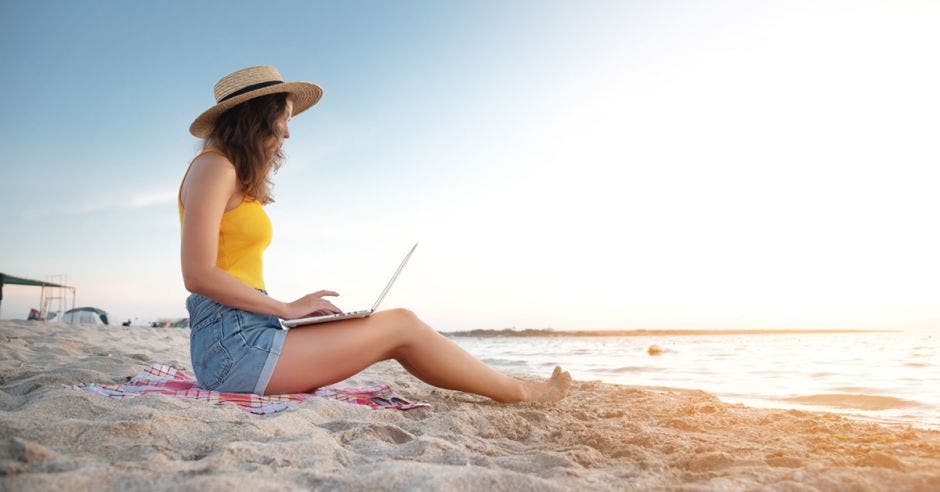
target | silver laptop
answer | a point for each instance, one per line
(290, 323)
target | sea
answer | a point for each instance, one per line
(887, 377)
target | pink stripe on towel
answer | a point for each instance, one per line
(166, 380)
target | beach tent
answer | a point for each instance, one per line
(11, 280)
(85, 316)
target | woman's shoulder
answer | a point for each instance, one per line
(211, 154)
(212, 161)
(211, 151)
(209, 169)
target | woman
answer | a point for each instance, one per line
(236, 343)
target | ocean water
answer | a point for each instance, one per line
(889, 377)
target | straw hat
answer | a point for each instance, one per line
(249, 83)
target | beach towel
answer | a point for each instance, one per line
(166, 380)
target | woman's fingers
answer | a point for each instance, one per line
(315, 305)
(327, 310)
(328, 307)
(325, 307)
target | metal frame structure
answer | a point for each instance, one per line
(59, 292)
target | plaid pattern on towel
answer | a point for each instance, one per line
(166, 380)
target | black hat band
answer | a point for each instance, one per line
(251, 88)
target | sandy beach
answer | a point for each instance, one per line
(602, 437)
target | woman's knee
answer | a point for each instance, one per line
(405, 326)
(403, 317)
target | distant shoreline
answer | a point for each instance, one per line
(548, 332)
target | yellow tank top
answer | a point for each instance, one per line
(244, 233)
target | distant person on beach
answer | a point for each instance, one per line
(236, 342)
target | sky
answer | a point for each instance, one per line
(573, 165)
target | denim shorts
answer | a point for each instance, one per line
(232, 351)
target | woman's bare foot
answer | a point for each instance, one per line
(550, 391)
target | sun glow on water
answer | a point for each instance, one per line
(887, 377)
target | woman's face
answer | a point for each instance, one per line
(282, 131)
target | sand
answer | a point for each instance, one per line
(602, 437)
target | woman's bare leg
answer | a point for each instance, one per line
(320, 355)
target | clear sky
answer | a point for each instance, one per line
(579, 165)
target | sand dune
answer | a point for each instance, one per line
(603, 437)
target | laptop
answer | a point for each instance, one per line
(326, 318)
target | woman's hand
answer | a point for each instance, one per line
(311, 305)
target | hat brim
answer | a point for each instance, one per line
(304, 95)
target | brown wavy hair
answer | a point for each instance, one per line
(241, 134)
